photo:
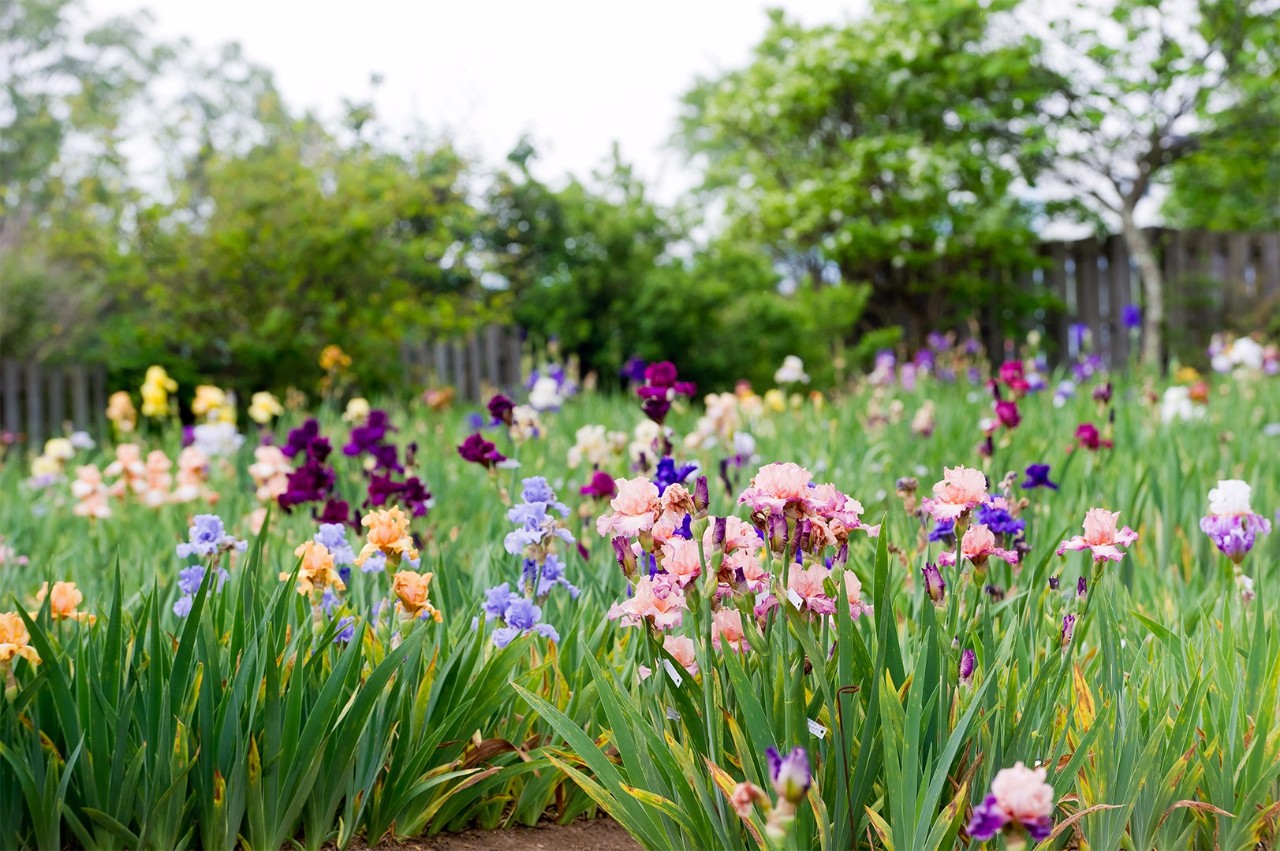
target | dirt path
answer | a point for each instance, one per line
(600, 834)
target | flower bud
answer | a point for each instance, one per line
(934, 584)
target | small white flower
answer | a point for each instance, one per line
(545, 394)
(1246, 353)
(791, 371)
(81, 440)
(1176, 404)
(217, 439)
(1230, 497)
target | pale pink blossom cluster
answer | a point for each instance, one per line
(270, 473)
(795, 520)
(823, 516)
(150, 480)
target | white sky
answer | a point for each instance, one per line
(576, 74)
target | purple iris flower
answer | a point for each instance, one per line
(477, 450)
(300, 438)
(209, 537)
(1131, 316)
(668, 473)
(934, 584)
(1037, 477)
(999, 520)
(522, 616)
(968, 661)
(790, 774)
(633, 370)
(942, 531)
(346, 630)
(1234, 535)
(601, 486)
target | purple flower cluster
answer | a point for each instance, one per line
(371, 439)
(661, 387)
(1000, 521)
(313, 480)
(517, 613)
(411, 493)
(189, 581)
(537, 529)
(537, 526)
(208, 537)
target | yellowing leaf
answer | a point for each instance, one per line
(1084, 708)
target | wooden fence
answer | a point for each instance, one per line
(1213, 281)
(475, 366)
(42, 401)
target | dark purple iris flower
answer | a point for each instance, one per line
(668, 473)
(477, 450)
(601, 486)
(1038, 477)
(500, 409)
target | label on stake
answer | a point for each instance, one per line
(673, 673)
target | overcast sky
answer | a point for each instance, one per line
(576, 74)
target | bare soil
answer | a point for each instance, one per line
(598, 834)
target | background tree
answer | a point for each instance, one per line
(1147, 83)
(883, 151)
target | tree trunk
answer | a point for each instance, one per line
(1152, 291)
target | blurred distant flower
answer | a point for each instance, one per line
(217, 439)
(121, 413)
(156, 387)
(501, 408)
(791, 371)
(601, 486)
(334, 359)
(661, 387)
(633, 370)
(264, 407)
(208, 537)
(1088, 436)
(477, 450)
(1131, 316)
(943, 530)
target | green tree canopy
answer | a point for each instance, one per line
(883, 151)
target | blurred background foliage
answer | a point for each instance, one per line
(853, 176)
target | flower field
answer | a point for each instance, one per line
(958, 603)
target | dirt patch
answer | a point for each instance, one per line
(599, 834)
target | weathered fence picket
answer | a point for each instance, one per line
(42, 401)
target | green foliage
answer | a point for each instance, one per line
(1231, 182)
(880, 151)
